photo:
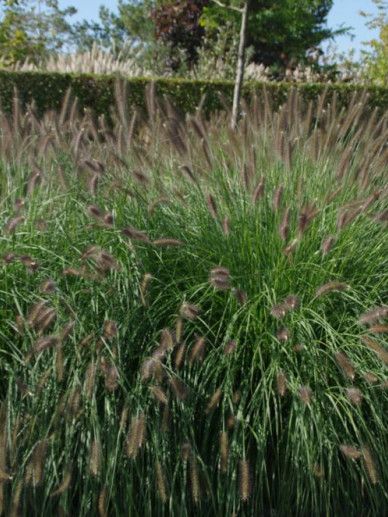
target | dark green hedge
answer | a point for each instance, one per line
(97, 92)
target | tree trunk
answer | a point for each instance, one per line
(240, 66)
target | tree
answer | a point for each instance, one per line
(376, 58)
(132, 25)
(281, 32)
(31, 29)
(177, 24)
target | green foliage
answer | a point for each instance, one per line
(102, 419)
(280, 32)
(30, 29)
(97, 92)
(375, 60)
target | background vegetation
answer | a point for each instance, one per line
(190, 38)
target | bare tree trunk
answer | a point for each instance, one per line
(240, 66)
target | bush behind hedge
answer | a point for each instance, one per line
(97, 92)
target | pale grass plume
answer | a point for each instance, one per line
(198, 350)
(13, 223)
(95, 458)
(166, 340)
(224, 451)
(136, 435)
(196, 492)
(378, 329)
(151, 368)
(351, 452)
(64, 485)
(374, 315)
(167, 241)
(277, 198)
(102, 502)
(330, 287)
(212, 206)
(135, 234)
(259, 191)
(370, 465)
(305, 394)
(284, 227)
(327, 244)
(240, 295)
(59, 363)
(370, 377)
(230, 347)
(345, 364)
(179, 326)
(44, 343)
(281, 383)
(180, 356)
(179, 388)
(90, 379)
(219, 278)
(35, 468)
(354, 395)
(226, 226)
(161, 484)
(110, 329)
(214, 401)
(244, 480)
(159, 394)
(283, 334)
(189, 311)
(185, 451)
(144, 288)
(15, 501)
(373, 345)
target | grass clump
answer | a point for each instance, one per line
(193, 320)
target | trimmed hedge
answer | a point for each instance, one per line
(97, 92)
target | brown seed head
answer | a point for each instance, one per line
(281, 383)
(305, 394)
(245, 486)
(350, 452)
(345, 364)
(354, 395)
(189, 311)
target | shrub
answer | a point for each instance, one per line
(193, 319)
(97, 92)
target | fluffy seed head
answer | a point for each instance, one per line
(95, 458)
(161, 485)
(369, 465)
(167, 242)
(159, 394)
(327, 244)
(110, 329)
(281, 384)
(244, 478)
(354, 395)
(305, 394)
(345, 364)
(135, 234)
(214, 400)
(189, 311)
(350, 452)
(374, 315)
(224, 451)
(179, 388)
(230, 347)
(330, 287)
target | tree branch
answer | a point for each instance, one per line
(220, 4)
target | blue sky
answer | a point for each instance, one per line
(344, 12)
